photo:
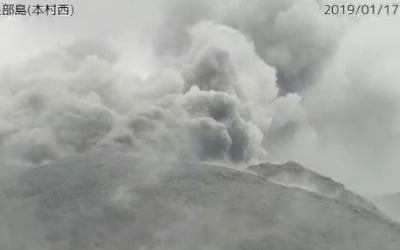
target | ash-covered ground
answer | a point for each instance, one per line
(114, 201)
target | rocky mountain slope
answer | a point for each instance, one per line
(116, 202)
(294, 175)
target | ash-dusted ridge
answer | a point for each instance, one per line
(294, 175)
(113, 201)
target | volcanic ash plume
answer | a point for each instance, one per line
(214, 103)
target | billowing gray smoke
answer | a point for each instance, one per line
(229, 81)
(290, 35)
(73, 101)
